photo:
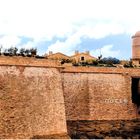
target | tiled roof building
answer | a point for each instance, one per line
(82, 57)
(77, 57)
(57, 56)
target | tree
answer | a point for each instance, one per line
(95, 62)
(129, 64)
(27, 52)
(110, 60)
(22, 51)
(33, 51)
(15, 49)
(6, 53)
(12, 51)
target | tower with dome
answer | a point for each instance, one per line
(136, 48)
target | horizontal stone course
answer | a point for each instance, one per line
(106, 70)
(28, 61)
(98, 96)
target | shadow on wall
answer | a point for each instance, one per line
(54, 136)
(136, 92)
(76, 96)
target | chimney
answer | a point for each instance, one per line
(87, 52)
(76, 52)
(50, 52)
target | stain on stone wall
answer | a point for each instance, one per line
(76, 95)
(31, 102)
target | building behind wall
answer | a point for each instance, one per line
(77, 57)
(56, 56)
(82, 57)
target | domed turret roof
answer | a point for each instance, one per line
(137, 33)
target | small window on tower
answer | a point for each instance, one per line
(82, 58)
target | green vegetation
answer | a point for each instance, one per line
(65, 61)
(129, 64)
(28, 52)
(13, 51)
(99, 62)
(105, 62)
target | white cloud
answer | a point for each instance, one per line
(73, 19)
(98, 31)
(68, 46)
(8, 41)
(106, 51)
(28, 45)
(46, 18)
(101, 30)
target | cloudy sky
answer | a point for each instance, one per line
(104, 26)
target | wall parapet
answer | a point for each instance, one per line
(27, 61)
(99, 93)
(104, 70)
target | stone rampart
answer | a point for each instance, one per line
(99, 93)
(105, 70)
(35, 93)
(28, 61)
(31, 102)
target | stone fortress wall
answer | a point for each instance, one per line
(37, 97)
(27, 61)
(99, 93)
(100, 104)
(31, 99)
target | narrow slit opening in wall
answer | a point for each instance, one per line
(135, 87)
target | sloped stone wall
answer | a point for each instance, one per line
(28, 61)
(76, 95)
(31, 102)
(98, 96)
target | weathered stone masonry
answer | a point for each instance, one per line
(99, 93)
(38, 97)
(99, 103)
(31, 102)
